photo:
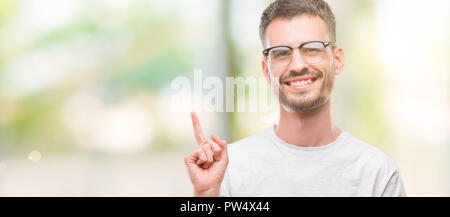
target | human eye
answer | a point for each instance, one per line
(313, 48)
(281, 53)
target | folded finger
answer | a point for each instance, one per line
(222, 143)
(209, 155)
(201, 157)
(215, 148)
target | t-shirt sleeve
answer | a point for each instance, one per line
(394, 186)
(224, 187)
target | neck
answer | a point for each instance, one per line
(308, 129)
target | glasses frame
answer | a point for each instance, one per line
(325, 45)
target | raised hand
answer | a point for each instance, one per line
(207, 164)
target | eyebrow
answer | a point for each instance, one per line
(293, 45)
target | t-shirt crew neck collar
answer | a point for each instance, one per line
(301, 148)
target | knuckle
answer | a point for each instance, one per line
(205, 157)
(205, 147)
(200, 149)
(217, 147)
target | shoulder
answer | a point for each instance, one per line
(251, 145)
(379, 165)
(253, 140)
(369, 155)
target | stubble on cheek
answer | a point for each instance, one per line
(309, 100)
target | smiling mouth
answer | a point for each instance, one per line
(300, 83)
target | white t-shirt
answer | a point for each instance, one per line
(264, 165)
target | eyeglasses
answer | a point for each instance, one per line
(312, 53)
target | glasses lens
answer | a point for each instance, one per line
(313, 52)
(280, 57)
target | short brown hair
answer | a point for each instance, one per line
(290, 8)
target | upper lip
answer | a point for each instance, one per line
(300, 78)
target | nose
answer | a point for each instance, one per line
(297, 63)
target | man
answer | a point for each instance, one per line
(304, 154)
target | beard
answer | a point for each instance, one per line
(310, 99)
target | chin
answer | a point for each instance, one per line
(303, 105)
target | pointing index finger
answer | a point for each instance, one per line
(199, 136)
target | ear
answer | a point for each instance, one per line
(339, 60)
(265, 70)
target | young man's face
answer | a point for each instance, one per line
(303, 85)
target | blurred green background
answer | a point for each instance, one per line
(85, 89)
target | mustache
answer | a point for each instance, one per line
(306, 71)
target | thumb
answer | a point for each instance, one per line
(223, 144)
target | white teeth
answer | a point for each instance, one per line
(301, 83)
